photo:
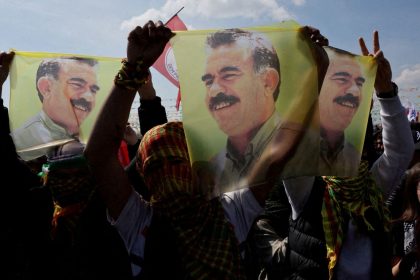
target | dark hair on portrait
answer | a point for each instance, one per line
(50, 67)
(341, 52)
(263, 52)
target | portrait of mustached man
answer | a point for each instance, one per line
(67, 88)
(242, 80)
(339, 100)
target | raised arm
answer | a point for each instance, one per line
(151, 112)
(299, 188)
(145, 44)
(397, 138)
(7, 147)
(5, 61)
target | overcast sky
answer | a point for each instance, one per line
(100, 28)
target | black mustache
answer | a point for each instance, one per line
(348, 98)
(221, 97)
(82, 103)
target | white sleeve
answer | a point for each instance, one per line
(398, 145)
(132, 224)
(241, 209)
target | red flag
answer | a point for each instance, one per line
(165, 64)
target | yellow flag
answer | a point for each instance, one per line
(250, 103)
(55, 98)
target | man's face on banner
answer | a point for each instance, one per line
(234, 91)
(73, 94)
(341, 93)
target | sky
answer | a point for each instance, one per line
(100, 27)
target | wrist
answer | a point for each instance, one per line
(132, 75)
(147, 95)
(156, 100)
(390, 93)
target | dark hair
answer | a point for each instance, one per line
(263, 52)
(411, 205)
(51, 67)
(339, 52)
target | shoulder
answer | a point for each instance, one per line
(33, 132)
(30, 133)
(240, 200)
(136, 209)
(34, 123)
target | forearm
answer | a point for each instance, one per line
(4, 119)
(102, 150)
(143, 48)
(398, 144)
(7, 147)
(110, 125)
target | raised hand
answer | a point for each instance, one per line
(315, 35)
(383, 81)
(147, 42)
(5, 61)
(321, 57)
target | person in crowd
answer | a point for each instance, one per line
(67, 89)
(199, 236)
(338, 227)
(150, 112)
(59, 230)
(406, 229)
(27, 248)
(87, 246)
(167, 176)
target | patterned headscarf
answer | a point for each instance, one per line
(163, 160)
(351, 197)
(68, 178)
(205, 239)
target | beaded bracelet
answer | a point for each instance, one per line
(131, 76)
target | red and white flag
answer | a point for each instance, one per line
(165, 64)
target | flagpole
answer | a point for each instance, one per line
(173, 16)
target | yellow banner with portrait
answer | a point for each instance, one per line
(250, 101)
(55, 98)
